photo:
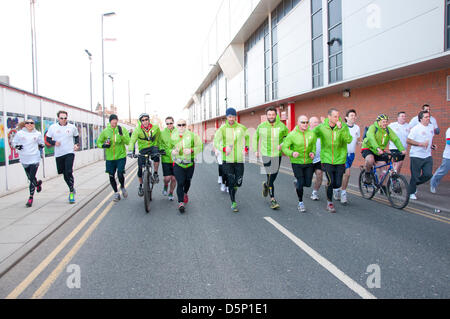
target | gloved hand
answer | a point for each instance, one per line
(120, 130)
(41, 146)
(105, 145)
(19, 147)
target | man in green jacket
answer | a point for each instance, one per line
(167, 162)
(270, 134)
(186, 146)
(334, 136)
(113, 139)
(233, 140)
(300, 146)
(377, 138)
(147, 136)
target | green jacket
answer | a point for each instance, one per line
(188, 140)
(117, 149)
(271, 136)
(302, 143)
(142, 137)
(236, 136)
(333, 142)
(166, 144)
(377, 137)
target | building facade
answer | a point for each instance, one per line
(306, 56)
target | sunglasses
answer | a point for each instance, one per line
(182, 124)
(171, 123)
(304, 122)
(63, 118)
(29, 122)
(144, 120)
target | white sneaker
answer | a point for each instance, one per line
(433, 189)
(223, 188)
(336, 194)
(412, 196)
(314, 196)
(344, 198)
(219, 180)
(124, 192)
(301, 207)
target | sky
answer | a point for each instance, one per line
(157, 51)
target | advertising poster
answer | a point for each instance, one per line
(79, 127)
(85, 137)
(96, 135)
(91, 136)
(49, 151)
(12, 121)
(2, 141)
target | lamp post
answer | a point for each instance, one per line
(33, 46)
(112, 80)
(103, 65)
(90, 74)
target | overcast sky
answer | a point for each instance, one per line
(158, 49)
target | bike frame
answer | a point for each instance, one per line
(374, 169)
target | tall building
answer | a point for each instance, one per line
(306, 56)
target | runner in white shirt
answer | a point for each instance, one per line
(445, 166)
(402, 129)
(421, 139)
(415, 120)
(317, 165)
(64, 136)
(355, 132)
(28, 141)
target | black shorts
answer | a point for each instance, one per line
(167, 169)
(65, 163)
(234, 173)
(317, 166)
(152, 151)
(116, 165)
(334, 174)
(378, 158)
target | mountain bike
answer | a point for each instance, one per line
(147, 176)
(396, 188)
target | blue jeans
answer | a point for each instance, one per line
(440, 172)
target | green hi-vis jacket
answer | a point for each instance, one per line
(377, 137)
(142, 137)
(333, 142)
(235, 136)
(271, 137)
(166, 144)
(117, 149)
(188, 140)
(302, 143)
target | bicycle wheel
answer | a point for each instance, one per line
(367, 190)
(397, 191)
(147, 190)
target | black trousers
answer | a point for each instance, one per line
(183, 177)
(64, 165)
(224, 177)
(304, 174)
(334, 175)
(421, 172)
(235, 174)
(272, 167)
(31, 170)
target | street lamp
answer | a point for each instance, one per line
(90, 73)
(112, 81)
(33, 47)
(103, 65)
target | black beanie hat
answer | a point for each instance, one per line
(113, 117)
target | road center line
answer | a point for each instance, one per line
(32, 276)
(353, 285)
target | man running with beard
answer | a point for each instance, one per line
(167, 162)
(317, 165)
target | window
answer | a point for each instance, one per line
(447, 28)
(317, 43)
(335, 40)
(267, 64)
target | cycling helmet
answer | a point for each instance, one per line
(382, 117)
(143, 115)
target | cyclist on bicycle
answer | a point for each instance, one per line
(375, 141)
(186, 145)
(147, 136)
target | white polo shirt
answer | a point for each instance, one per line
(355, 132)
(317, 155)
(64, 135)
(447, 147)
(421, 133)
(402, 132)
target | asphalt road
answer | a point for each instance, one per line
(366, 250)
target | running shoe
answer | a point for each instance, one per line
(274, 204)
(223, 188)
(314, 196)
(72, 198)
(336, 194)
(265, 190)
(234, 207)
(164, 192)
(140, 191)
(116, 197)
(29, 202)
(186, 198)
(344, 198)
(39, 186)
(432, 189)
(170, 196)
(124, 192)
(301, 207)
(219, 180)
(330, 208)
(181, 207)
(413, 196)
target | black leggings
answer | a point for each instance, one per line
(224, 177)
(304, 174)
(64, 165)
(31, 170)
(183, 177)
(235, 174)
(272, 167)
(334, 175)
(112, 180)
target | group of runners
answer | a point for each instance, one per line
(314, 147)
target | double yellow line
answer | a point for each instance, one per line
(42, 290)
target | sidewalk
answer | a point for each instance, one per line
(22, 229)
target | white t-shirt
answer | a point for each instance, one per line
(355, 132)
(30, 153)
(64, 135)
(447, 147)
(317, 156)
(415, 120)
(402, 132)
(420, 133)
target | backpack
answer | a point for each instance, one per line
(376, 130)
